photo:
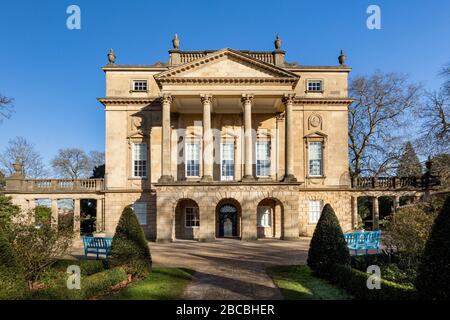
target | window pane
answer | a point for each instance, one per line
(315, 208)
(315, 158)
(192, 160)
(315, 85)
(140, 210)
(140, 85)
(140, 160)
(227, 161)
(263, 159)
(192, 217)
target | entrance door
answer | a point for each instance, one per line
(228, 219)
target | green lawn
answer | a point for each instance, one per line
(161, 284)
(298, 283)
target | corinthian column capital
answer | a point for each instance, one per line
(247, 98)
(166, 98)
(206, 98)
(288, 98)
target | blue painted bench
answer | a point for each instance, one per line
(97, 245)
(364, 241)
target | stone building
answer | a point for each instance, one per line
(220, 143)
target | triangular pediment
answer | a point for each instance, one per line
(226, 63)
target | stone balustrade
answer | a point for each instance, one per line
(395, 182)
(58, 185)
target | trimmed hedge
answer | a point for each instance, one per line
(328, 246)
(90, 286)
(433, 279)
(12, 282)
(87, 267)
(355, 283)
(129, 248)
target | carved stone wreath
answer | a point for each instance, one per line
(315, 121)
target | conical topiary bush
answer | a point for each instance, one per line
(328, 246)
(433, 277)
(129, 247)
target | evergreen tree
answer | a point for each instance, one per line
(328, 246)
(433, 279)
(129, 247)
(409, 164)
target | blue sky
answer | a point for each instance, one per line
(55, 77)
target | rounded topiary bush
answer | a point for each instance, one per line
(328, 246)
(433, 279)
(129, 247)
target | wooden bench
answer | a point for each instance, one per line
(363, 241)
(97, 245)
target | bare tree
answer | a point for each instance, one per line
(436, 117)
(20, 149)
(6, 105)
(71, 163)
(445, 73)
(96, 159)
(382, 104)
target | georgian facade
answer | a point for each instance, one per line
(226, 143)
(221, 143)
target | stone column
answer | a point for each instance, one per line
(54, 212)
(249, 229)
(166, 175)
(288, 101)
(208, 160)
(248, 133)
(31, 208)
(76, 218)
(354, 212)
(99, 216)
(396, 203)
(375, 214)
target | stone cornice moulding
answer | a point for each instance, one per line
(127, 101)
(323, 101)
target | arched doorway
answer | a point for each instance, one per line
(187, 220)
(270, 219)
(228, 219)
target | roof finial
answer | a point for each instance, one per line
(277, 42)
(176, 42)
(111, 56)
(341, 58)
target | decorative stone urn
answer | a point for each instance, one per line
(111, 56)
(176, 42)
(342, 58)
(277, 43)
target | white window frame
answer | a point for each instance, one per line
(186, 158)
(314, 82)
(314, 211)
(257, 165)
(264, 218)
(141, 82)
(320, 143)
(228, 177)
(195, 222)
(141, 213)
(134, 159)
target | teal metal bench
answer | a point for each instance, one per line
(363, 241)
(97, 245)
